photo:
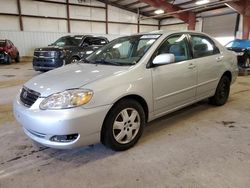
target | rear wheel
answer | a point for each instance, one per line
(17, 59)
(222, 92)
(123, 125)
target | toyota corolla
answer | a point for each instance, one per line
(113, 93)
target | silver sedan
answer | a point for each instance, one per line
(112, 94)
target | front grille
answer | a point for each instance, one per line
(45, 54)
(28, 97)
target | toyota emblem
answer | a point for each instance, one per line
(25, 94)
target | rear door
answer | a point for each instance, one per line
(207, 58)
(174, 84)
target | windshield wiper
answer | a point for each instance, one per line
(103, 61)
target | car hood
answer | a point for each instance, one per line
(237, 49)
(53, 48)
(71, 76)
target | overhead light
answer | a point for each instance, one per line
(159, 11)
(202, 2)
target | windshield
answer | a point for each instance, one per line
(2, 43)
(124, 50)
(68, 41)
(239, 44)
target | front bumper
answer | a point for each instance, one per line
(40, 64)
(42, 125)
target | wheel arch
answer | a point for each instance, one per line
(228, 74)
(135, 97)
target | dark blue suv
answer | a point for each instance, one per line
(66, 50)
(242, 48)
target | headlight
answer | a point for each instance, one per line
(63, 53)
(67, 99)
(240, 53)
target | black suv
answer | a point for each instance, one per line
(66, 50)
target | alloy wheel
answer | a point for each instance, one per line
(126, 125)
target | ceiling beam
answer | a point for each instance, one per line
(236, 7)
(167, 7)
(132, 4)
(186, 3)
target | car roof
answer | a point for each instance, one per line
(166, 33)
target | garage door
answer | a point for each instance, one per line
(220, 26)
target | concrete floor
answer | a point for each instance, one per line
(199, 146)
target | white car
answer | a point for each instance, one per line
(111, 95)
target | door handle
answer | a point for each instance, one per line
(219, 58)
(191, 66)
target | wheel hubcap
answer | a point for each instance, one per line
(126, 125)
(74, 60)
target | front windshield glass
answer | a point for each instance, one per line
(68, 41)
(239, 44)
(124, 50)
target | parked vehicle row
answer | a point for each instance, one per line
(110, 95)
(8, 52)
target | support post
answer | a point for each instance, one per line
(68, 16)
(191, 21)
(246, 27)
(106, 15)
(20, 15)
(159, 24)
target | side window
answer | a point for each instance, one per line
(203, 46)
(176, 45)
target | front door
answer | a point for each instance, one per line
(174, 85)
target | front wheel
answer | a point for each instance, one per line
(247, 62)
(123, 125)
(74, 59)
(8, 59)
(222, 92)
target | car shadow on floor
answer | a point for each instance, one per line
(171, 120)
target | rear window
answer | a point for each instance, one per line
(2, 43)
(68, 41)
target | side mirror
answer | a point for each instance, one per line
(163, 59)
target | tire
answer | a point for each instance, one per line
(8, 59)
(17, 59)
(247, 63)
(123, 126)
(74, 59)
(222, 92)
